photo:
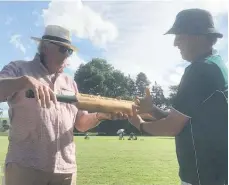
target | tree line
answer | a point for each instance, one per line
(98, 77)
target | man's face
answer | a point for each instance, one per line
(56, 55)
(188, 45)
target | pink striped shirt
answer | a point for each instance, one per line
(38, 137)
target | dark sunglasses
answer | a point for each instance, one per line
(63, 49)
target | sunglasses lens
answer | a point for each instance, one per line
(64, 50)
(70, 51)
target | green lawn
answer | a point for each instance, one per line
(109, 161)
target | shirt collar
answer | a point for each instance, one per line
(205, 56)
(38, 62)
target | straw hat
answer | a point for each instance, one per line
(57, 34)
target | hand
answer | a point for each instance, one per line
(112, 116)
(145, 105)
(135, 119)
(43, 94)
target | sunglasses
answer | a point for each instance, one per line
(63, 49)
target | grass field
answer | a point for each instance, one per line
(109, 161)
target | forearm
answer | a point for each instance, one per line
(169, 126)
(158, 113)
(157, 128)
(86, 122)
(9, 86)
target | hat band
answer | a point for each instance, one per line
(49, 37)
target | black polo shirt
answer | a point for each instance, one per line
(202, 145)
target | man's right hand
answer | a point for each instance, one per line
(43, 94)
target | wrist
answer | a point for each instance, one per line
(159, 113)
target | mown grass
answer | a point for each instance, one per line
(109, 161)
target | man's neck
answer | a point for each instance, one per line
(202, 54)
(44, 63)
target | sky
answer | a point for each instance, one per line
(128, 34)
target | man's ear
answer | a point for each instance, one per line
(43, 47)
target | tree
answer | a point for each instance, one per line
(141, 83)
(173, 92)
(100, 78)
(1, 112)
(158, 95)
(131, 88)
(5, 125)
(91, 76)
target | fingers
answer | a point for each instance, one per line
(134, 110)
(52, 96)
(36, 94)
(125, 116)
(137, 101)
(44, 95)
(119, 116)
(147, 91)
(41, 97)
(47, 97)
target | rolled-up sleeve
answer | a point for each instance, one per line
(9, 71)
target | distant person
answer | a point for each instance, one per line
(132, 136)
(121, 133)
(86, 136)
(121, 136)
(41, 146)
(199, 116)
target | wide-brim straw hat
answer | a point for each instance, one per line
(57, 34)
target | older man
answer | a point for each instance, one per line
(198, 119)
(41, 147)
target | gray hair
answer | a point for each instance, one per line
(42, 44)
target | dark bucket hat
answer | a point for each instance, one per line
(194, 22)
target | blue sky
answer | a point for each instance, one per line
(121, 32)
(23, 20)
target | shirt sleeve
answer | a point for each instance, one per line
(9, 71)
(206, 78)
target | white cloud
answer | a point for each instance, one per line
(81, 20)
(141, 45)
(28, 58)
(74, 62)
(16, 41)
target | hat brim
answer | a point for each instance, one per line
(62, 43)
(210, 31)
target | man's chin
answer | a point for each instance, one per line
(183, 57)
